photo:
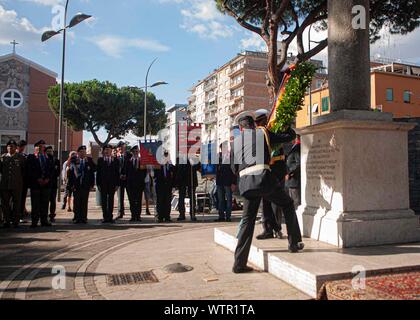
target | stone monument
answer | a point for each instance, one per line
(355, 187)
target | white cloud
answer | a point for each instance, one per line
(115, 46)
(46, 2)
(19, 28)
(202, 18)
(253, 42)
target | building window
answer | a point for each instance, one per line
(389, 94)
(407, 96)
(318, 84)
(325, 104)
(12, 99)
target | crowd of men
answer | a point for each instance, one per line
(117, 171)
(275, 183)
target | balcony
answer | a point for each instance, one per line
(236, 109)
(211, 97)
(192, 99)
(192, 107)
(210, 107)
(210, 86)
(236, 71)
(210, 120)
(237, 84)
(236, 98)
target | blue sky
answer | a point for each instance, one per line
(189, 38)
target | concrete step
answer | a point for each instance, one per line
(321, 262)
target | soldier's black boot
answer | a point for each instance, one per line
(181, 217)
(265, 235)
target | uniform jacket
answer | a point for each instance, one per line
(36, 170)
(82, 177)
(135, 174)
(225, 177)
(258, 184)
(56, 171)
(12, 172)
(108, 174)
(161, 179)
(293, 167)
(122, 161)
(278, 164)
(183, 175)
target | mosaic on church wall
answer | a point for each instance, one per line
(14, 75)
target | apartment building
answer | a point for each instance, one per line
(395, 88)
(175, 114)
(238, 85)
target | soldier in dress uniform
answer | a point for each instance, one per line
(293, 172)
(82, 180)
(271, 228)
(256, 183)
(135, 174)
(54, 182)
(164, 179)
(107, 181)
(40, 173)
(12, 169)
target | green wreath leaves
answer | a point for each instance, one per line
(294, 96)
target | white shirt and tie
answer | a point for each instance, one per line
(135, 162)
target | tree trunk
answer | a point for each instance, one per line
(273, 75)
(348, 57)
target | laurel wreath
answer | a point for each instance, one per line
(292, 96)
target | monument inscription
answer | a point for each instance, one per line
(321, 172)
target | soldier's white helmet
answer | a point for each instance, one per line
(243, 115)
(261, 113)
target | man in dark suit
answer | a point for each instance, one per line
(12, 172)
(122, 156)
(186, 181)
(107, 181)
(23, 212)
(164, 179)
(135, 174)
(40, 172)
(293, 172)
(54, 182)
(225, 182)
(81, 180)
(256, 183)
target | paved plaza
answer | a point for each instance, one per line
(91, 255)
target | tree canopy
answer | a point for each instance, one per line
(92, 105)
(280, 22)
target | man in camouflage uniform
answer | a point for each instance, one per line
(12, 168)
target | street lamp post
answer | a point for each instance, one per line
(45, 36)
(310, 87)
(159, 83)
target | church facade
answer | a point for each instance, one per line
(24, 110)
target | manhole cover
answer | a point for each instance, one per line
(177, 268)
(126, 279)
